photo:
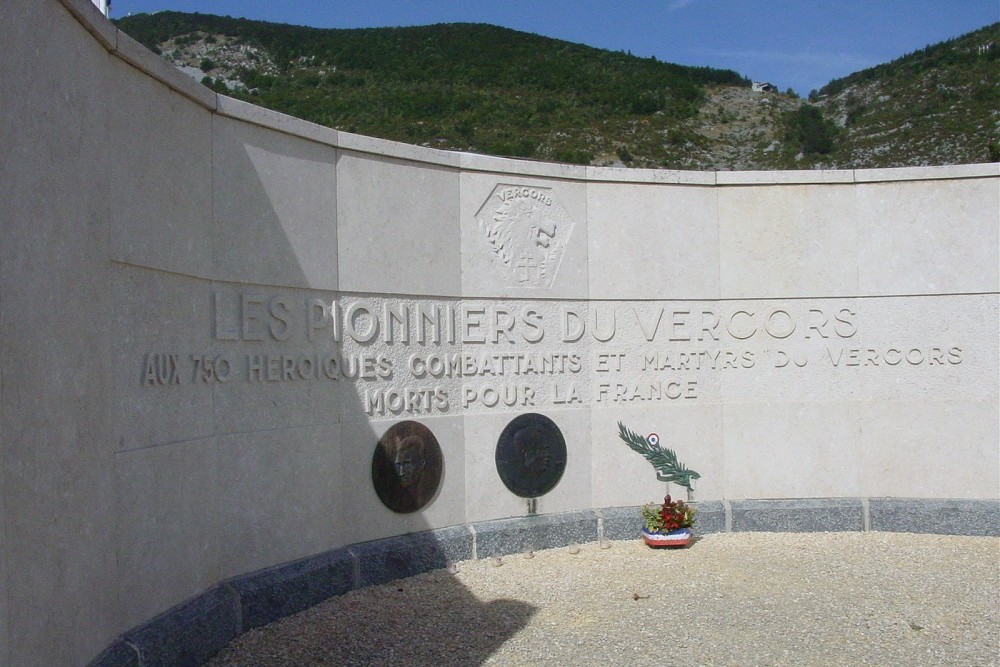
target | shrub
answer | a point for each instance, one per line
(807, 129)
(574, 156)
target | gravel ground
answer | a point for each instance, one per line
(728, 599)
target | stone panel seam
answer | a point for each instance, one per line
(356, 569)
(135, 649)
(238, 602)
(866, 517)
(472, 531)
(728, 509)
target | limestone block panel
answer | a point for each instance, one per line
(661, 352)
(547, 348)
(159, 320)
(623, 477)
(447, 356)
(928, 448)
(928, 237)
(788, 241)
(926, 348)
(523, 236)
(55, 446)
(488, 498)
(285, 366)
(398, 226)
(792, 450)
(364, 516)
(275, 207)
(161, 175)
(792, 349)
(169, 531)
(281, 495)
(650, 241)
(401, 357)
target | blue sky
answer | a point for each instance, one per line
(799, 44)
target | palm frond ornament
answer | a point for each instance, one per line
(668, 468)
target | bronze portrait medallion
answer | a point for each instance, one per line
(531, 455)
(407, 467)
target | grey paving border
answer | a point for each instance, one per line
(382, 561)
(532, 533)
(805, 515)
(287, 589)
(935, 516)
(190, 633)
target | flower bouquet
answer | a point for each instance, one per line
(667, 525)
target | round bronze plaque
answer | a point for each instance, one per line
(531, 455)
(406, 467)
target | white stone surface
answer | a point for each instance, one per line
(280, 496)
(928, 237)
(940, 348)
(398, 227)
(671, 176)
(785, 241)
(789, 334)
(155, 313)
(384, 148)
(274, 120)
(169, 531)
(953, 171)
(55, 446)
(472, 162)
(792, 450)
(797, 177)
(274, 207)
(923, 448)
(161, 176)
(487, 497)
(652, 242)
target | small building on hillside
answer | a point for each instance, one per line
(763, 87)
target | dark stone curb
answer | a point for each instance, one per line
(382, 561)
(937, 517)
(533, 533)
(806, 515)
(280, 591)
(192, 632)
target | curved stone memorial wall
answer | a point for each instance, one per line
(213, 314)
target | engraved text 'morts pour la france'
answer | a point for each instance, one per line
(531, 455)
(406, 467)
(526, 230)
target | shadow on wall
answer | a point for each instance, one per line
(274, 472)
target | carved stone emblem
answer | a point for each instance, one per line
(406, 467)
(531, 455)
(526, 230)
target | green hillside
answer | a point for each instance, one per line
(492, 90)
(939, 105)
